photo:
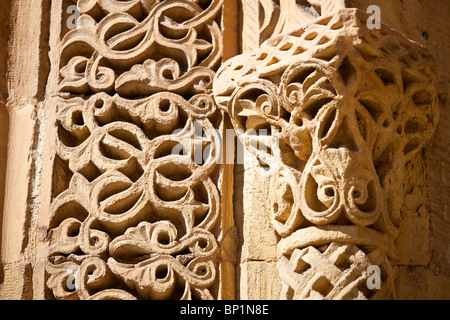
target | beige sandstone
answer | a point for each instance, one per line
(342, 158)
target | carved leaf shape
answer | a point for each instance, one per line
(160, 238)
(62, 280)
(155, 278)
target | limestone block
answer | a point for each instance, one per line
(263, 272)
(16, 282)
(258, 238)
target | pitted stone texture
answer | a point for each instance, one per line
(135, 212)
(339, 110)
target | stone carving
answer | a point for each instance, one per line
(97, 56)
(345, 108)
(264, 19)
(131, 219)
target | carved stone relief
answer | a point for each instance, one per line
(106, 197)
(263, 19)
(343, 109)
(129, 218)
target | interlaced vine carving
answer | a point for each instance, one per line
(136, 35)
(129, 218)
(264, 19)
(346, 108)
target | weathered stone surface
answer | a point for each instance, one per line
(124, 204)
(104, 195)
(340, 110)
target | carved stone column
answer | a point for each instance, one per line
(343, 109)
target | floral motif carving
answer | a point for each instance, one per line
(130, 219)
(114, 36)
(264, 19)
(346, 108)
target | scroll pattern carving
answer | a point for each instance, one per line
(264, 19)
(97, 56)
(346, 108)
(130, 219)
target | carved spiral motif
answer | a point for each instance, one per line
(340, 98)
(123, 52)
(130, 217)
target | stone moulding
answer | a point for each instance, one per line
(348, 107)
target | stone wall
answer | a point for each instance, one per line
(96, 205)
